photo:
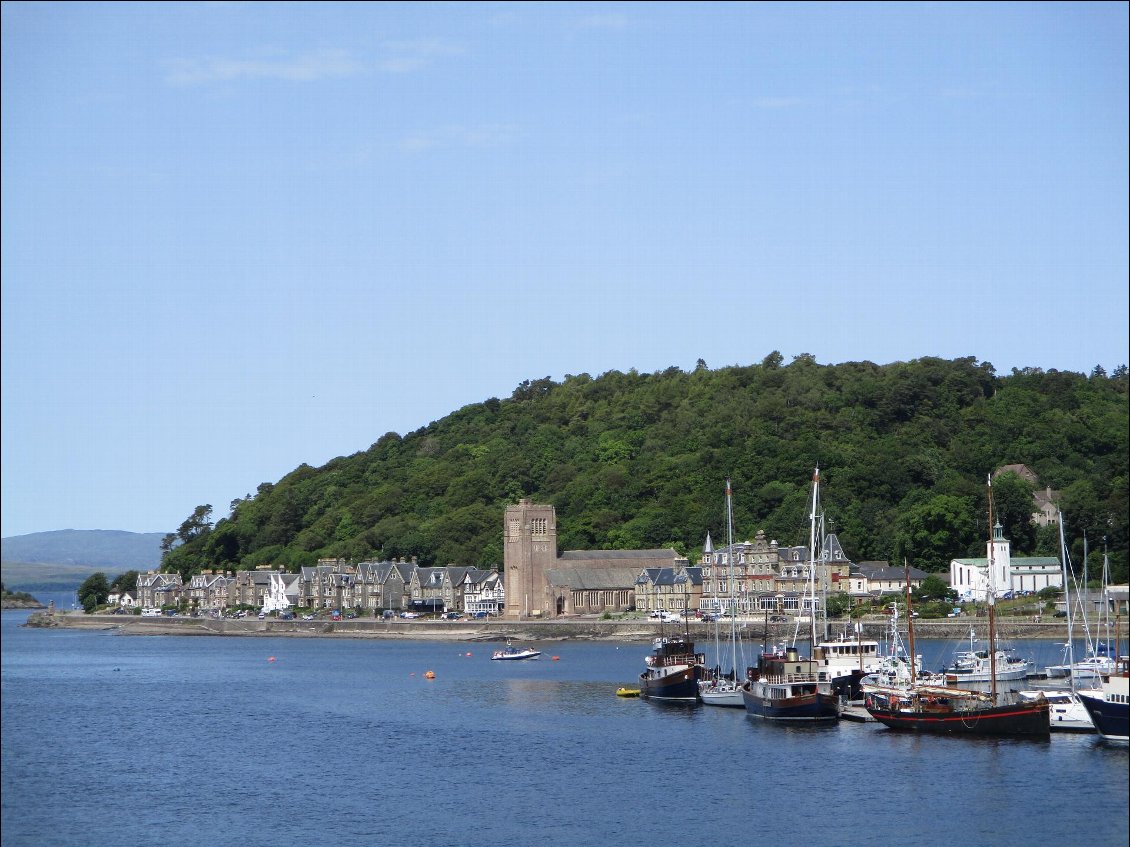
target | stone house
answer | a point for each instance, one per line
(156, 590)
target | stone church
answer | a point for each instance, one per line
(542, 584)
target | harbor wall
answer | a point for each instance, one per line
(560, 629)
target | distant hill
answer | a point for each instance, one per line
(43, 561)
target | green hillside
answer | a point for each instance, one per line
(634, 460)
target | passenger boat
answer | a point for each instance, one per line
(946, 709)
(1109, 708)
(513, 654)
(673, 671)
(785, 687)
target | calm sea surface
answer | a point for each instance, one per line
(195, 740)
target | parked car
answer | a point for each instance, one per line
(409, 615)
(451, 616)
(777, 619)
(1060, 614)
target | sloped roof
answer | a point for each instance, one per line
(592, 579)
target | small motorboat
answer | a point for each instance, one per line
(513, 654)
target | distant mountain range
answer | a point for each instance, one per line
(46, 561)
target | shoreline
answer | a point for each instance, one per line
(563, 629)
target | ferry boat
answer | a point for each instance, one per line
(785, 687)
(673, 672)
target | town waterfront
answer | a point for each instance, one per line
(183, 740)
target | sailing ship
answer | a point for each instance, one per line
(945, 709)
(784, 686)
(723, 688)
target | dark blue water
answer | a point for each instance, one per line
(173, 740)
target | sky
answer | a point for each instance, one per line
(239, 237)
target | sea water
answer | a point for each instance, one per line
(203, 740)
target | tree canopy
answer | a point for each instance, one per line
(634, 460)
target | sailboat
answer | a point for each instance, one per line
(1067, 712)
(723, 688)
(944, 709)
(784, 686)
(1098, 662)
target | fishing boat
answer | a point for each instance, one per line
(784, 686)
(510, 653)
(673, 671)
(1109, 707)
(723, 688)
(946, 709)
(975, 665)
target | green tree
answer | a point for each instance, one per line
(934, 533)
(93, 591)
(1012, 509)
(933, 587)
(124, 582)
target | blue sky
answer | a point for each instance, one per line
(242, 236)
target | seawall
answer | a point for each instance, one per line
(561, 629)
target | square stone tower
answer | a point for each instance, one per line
(529, 542)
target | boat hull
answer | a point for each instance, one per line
(722, 694)
(1026, 719)
(675, 685)
(1112, 720)
(778, 703)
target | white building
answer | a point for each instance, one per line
(970, 577)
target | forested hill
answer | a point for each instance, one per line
(634, 460)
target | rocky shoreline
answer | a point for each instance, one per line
(636, 630)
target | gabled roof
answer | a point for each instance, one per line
(592, 579)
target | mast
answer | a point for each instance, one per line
(992, 599)
(909, 620)
(812, 556)
(1067, 604)
(730, 580)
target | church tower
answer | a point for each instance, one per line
(529, 541)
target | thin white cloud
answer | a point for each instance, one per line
(408, 56)
(777, 102)
(482, 136)
(606, 21)
(309, 67)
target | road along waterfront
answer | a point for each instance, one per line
(639, 630)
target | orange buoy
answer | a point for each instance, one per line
(430, 675)
(272, 659)
(555, 658)
(468, 652)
